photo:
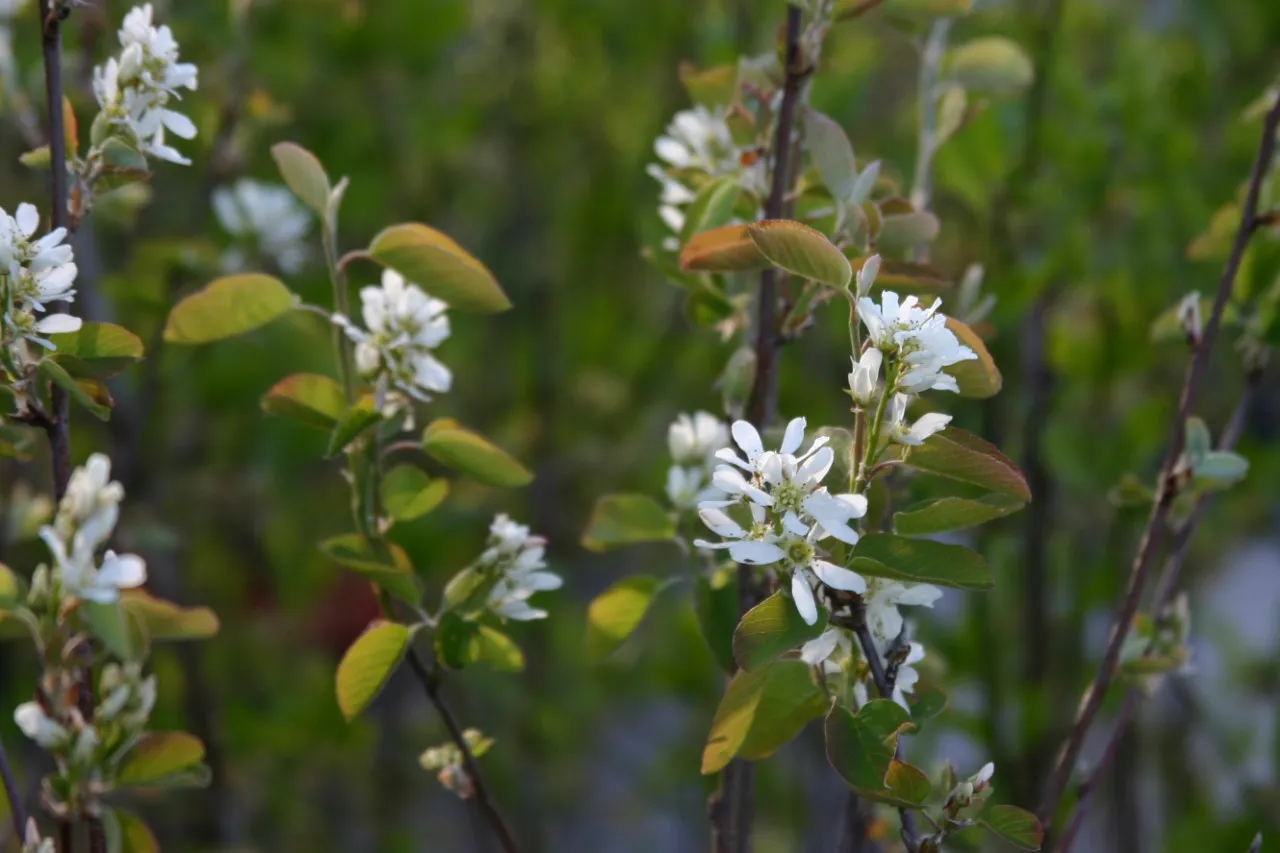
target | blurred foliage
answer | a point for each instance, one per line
(522, 129)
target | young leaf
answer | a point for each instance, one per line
(616, 613)
(308, 398)
(979, 377)
(728, 248)
(36, 158)
(498, 650)
(163, 620)
(626, 520)
(770, 628)
(455, 638)
(884, 555)
(393, 572)
(97, 350)
(904, 230)
(928, 703)
(304, 175)
(716, 603)
(111, 624)
(1220, 469)
(12, 589)
(408, 493)
(1014, 825)
(159, 756)
(228, 307)
(832, 153)
(473, 455)
(52, 371)
(761, 711)
(354, 421)
(963, 456)
(710, 87)
(368, 664)
(439, 265)
(128, 833)
(711, 208)
(992, 64)
(952, 513)
(70, 128)
(861, 748)
(802, 251)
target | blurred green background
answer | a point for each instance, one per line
(522, 128)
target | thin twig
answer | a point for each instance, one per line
(16, 811)
(884, 686)
(488, 806)
(1166, 588)
(1167, 485)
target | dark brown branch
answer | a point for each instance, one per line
(1167, 485)
(16, 811)
(884, 682)
(488, 806)
(1166, 589)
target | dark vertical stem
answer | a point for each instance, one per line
(1167, 483)
(855, 828)
(488, 806)
(884, 686)
(16, 811)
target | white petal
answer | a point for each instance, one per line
(541, 581)
(838, 577)
(792, 524)
(124, 571)
(817, 650)
(56, 324)
(28, 219)
(794, 436)
(816, 466)
(748, 439)
(179, 124)
(803, 597)
(920, 595)
(721, 523)
(755, 553)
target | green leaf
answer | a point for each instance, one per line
(770, 628)
(110, 624)
(992, 64)
(884, 555)
(368, 664)
(1015, 826)
(832, 154)
(308, 398)
(97, 350)
(469, 589)
(393, 571)
(978, 378)
(440, 266)
(52, 371)
(761, 711)
(1220, 469)
(1198, 440)
(626, 520)
(471, 454)
(353, 423)
(711, 208)
(158, 756)
(952, 513)
(163, 620)
(122, 165)
(127, 833)
(305, 175)
(716, 604)
(454, 640)
(36, 158)
(408, 493)
(498, 650)
(12, 592)
(802, 251)
(228, 307)
(862, 750)
(904, 230)
(927, 704)
(728, 248)
(616, 613)
(962, 456)
(710, 87)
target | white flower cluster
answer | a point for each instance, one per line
(405, 325)
(270, 216)
(446, 761)
(790, 512)
(698, 143)
(135, 90)
(86, 518)
(33, 273)
(693, 441)
(518, 560)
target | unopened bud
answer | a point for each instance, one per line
(867, 275)
(1189, 316)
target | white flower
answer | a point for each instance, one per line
(268, 214)
(756, 547)
(33, 843)
(907, 675)
(693, 439)
(919, 337)
(39, 271)
(864, 380)
(134, 91)
(918, 432)
(982, 778)
(80, 578)
(687, 487)
(882, 600)
(91, 504)
(517, 557)
(40, 727)
(404, 325)
(832, 649)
